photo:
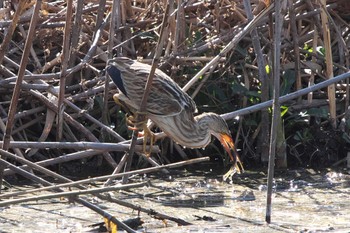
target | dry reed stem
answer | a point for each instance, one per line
(329, 62)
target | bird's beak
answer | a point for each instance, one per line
(227, 143)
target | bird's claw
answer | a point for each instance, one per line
(134, 124)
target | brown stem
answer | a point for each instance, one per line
(64, 65)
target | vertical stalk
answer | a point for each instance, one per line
(293, 26)
(76, 31)
(276, 115)
(110, 56)
(114, 15)
(64, 66)
(312, 76)
(265, 121)
(329, 63)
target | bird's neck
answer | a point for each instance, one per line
(186, 131)
(204, 122)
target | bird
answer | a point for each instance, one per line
(169, 107)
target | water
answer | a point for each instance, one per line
(304, 200)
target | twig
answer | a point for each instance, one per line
(110, 56)
(312, 76)
(293, 25)
(26, 113)
(93, 47)
(151, 212)
(61, 159)
(76, 31)
(115, 18)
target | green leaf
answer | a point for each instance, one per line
(284, 110)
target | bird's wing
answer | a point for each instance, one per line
(116, 76)
(165, 98)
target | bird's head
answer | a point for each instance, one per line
(218, 127)
(229, 146)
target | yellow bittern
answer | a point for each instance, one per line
(170, 108)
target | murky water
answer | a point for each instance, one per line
(304, 200)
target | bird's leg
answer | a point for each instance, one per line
(147, 133)
(139, 122)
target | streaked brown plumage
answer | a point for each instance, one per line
(170, 108)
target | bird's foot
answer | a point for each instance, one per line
(136, 124)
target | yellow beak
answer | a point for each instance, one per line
(229, 146)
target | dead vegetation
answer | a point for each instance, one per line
(56, 106)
